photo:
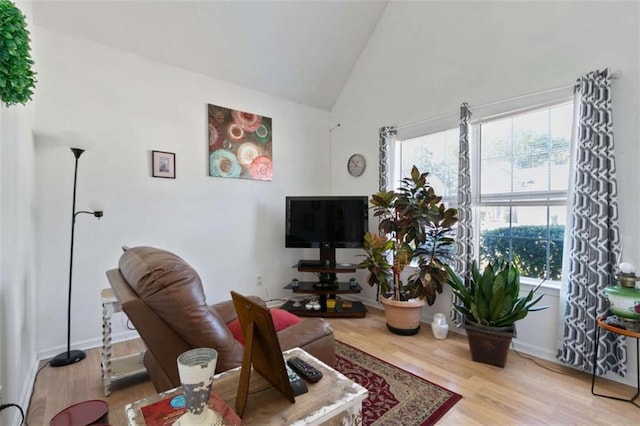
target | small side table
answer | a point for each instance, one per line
(117, 368)
(601, 324)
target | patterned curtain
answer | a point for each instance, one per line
(387, 136)
(594, 240)
(464, 232)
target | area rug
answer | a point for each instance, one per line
(396, 397)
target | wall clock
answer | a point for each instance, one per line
(356, 165)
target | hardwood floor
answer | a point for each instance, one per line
(523, 393)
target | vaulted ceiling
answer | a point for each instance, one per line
(302, 51)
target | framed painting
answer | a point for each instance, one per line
(163, 164)
(240, 144)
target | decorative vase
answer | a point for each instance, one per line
(439, 326)
(624, 299)
(196, 368)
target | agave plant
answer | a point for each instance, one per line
(492, 298)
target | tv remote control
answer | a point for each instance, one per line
(304, 369)
(297, 384)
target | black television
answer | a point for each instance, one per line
(327, 223)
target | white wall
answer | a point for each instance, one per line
(17, 280)
(425, 59)
(229, 230)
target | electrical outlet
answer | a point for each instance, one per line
(259, 282)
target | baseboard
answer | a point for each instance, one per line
(13, 417)
(87, 344)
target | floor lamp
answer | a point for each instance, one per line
(69, 356)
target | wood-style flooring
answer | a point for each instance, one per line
(522, 393)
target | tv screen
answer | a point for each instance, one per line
(326, 222)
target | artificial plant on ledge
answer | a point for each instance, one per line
(17, 79)
(414, 227)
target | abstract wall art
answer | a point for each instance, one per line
(240, 144)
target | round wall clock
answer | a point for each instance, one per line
(356, 165)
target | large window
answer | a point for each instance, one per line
(520, 175)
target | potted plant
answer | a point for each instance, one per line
(491, 304)
(17, 79)
(415, 229)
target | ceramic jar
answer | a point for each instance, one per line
(439, 326)
(196, 368)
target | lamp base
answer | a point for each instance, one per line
(66, 358)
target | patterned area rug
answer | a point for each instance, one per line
(396, 397)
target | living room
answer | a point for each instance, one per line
(421, 60)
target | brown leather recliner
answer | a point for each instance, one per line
(163, 297)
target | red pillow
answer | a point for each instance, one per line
(281, 320)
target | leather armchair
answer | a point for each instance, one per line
(163, 297)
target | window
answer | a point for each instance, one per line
(520, 176)
(437, 154)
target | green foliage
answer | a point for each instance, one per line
(492, 298)
(526, 247)
(17, 79)
(415, 226)
(376, 247)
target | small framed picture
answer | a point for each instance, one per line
(163, 164)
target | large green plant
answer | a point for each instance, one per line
(415, 227)
(492, 298)
(17, 79)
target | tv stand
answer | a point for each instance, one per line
(310, 264)
(326, 288)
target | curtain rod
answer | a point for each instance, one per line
(614, 76)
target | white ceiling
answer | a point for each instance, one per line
(302, 51)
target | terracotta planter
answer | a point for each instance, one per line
(489, 345)
(403, 318)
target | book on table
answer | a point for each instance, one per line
(166, 411)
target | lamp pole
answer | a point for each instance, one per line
(71, 357)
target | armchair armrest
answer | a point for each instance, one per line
(227, 311)
(304, 333)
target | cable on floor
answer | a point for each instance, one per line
(535, 361)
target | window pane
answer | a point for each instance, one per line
(530, 236)
(529, 152)
(437, 154)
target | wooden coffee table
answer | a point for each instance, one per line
(335, 399)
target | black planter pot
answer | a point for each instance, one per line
(489, 345)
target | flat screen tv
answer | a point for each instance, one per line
(326, 222)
